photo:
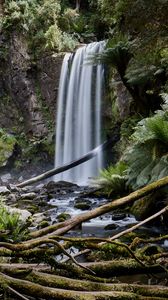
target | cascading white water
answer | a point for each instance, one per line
(78, 120)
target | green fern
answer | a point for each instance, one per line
(112, 179)
(11, 226)
(147, 156)
(140, 75)
(158, 126)
(116, 54)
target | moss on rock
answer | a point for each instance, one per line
(7, 144)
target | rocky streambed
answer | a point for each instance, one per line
(54, 202)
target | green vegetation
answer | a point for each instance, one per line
(147, 156)
(39, 22)
(113, 179)
(145, 160)
(12, 228)
(7, 143)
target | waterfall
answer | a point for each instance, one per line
(78, 122)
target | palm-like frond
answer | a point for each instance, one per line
(147, 157)
(112, 179)
(158, 126)
(140, 75)
(117, 55)
(153, 128)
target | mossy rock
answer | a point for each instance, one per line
(111, 227)
(33, 209)
(43, 224)
(63, 217)
(150, 250)
(7, 145)
(82, 204)
(144, 207)
(129, 237)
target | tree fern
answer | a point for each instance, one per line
(158, 126)
(147, 156)
(116, 54)
(112, 179)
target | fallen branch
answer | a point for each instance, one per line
(98, 291)
(17, 293)
(60, 282)
(36, 290)
(66, 167)
(120, 234)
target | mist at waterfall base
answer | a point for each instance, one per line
(78, 121)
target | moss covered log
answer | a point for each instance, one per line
(98, 291)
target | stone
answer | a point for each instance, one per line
(13, 188)
(63, 217)
(4, 190)
(83, 204)
(12, 198)
(24, 214)
(43, 224)
(111, 227)
(6, 177)
(118, 216)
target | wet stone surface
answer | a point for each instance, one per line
(58, 201)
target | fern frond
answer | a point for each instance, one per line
(116, 56)
(112, 179)
(159, 128)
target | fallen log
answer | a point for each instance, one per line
(98, 291)
(60, 282)
(66, 167)
(35, 290)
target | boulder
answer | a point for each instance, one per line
(24, 214)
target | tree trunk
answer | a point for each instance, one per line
(68, 166)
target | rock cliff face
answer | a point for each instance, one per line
(28, 90)
(48, 74)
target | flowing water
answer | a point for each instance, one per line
(78, 120)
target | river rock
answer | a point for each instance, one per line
(4, 190)
(111, 227)
(83, 204)
(38, 218)
(63, 217)
(53, 186)
(12, 198)
(118, 216)
(24, 214)
(13, 188)
(6, 177)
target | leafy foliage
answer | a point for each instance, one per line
(39, 20)
(11, 226)
(7, 143)
(116, 54)
(147, 157)
(113, 179)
